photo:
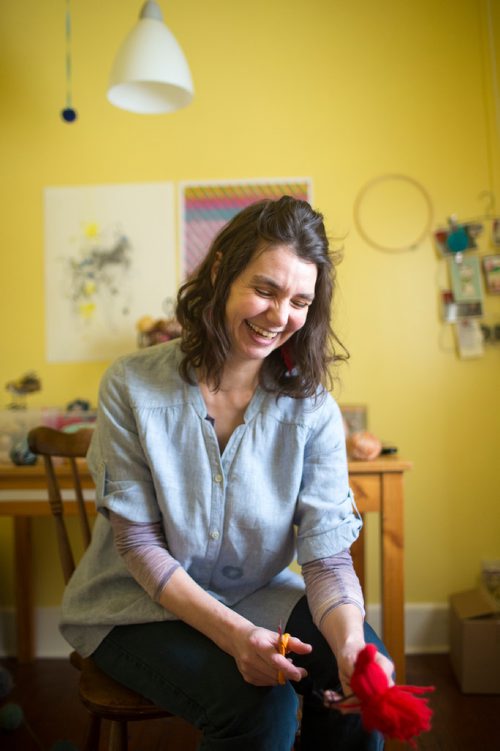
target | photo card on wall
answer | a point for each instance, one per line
(453, 311)
(470, 342)
(466, 278)
(491, 269)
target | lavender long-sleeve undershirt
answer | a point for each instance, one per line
(330, 582)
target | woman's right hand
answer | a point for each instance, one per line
(255, 651)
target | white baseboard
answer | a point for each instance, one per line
(48, 640)
(426, 626)
(426, 630)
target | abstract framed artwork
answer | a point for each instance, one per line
(109, 259)
(206, 206)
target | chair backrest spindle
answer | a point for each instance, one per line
(82, 513)
(52, 444)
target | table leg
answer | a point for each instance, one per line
(393, 626)
(358, 557)
(23, 589)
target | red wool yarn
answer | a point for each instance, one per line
(395, 711)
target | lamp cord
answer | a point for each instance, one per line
(68, 114)
(68, 53)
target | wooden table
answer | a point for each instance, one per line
(377, 487)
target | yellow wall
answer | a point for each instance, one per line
(339, 91)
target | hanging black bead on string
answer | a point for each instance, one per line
(68, 114)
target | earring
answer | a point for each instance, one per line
(287, 357)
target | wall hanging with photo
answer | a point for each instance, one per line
(471, 277)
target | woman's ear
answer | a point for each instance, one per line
(215, 267)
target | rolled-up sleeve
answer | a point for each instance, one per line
(116, 459)
(327, 519)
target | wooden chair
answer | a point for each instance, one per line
(103, 697)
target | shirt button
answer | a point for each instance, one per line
(214, 534)
(218, 478)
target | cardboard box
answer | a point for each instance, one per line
(475, 641)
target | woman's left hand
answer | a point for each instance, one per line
(347, 702)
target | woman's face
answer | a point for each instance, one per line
(268, 302)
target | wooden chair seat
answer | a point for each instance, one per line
(103, 695)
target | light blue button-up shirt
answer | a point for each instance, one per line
(234, 521)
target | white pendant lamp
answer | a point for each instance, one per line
(150, 74)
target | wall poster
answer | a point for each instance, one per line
(206, 206)
(109, 259)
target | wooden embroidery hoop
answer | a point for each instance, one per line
(413, 245)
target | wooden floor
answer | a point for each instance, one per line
(47, 692)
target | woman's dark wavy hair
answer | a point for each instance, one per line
(201, 300)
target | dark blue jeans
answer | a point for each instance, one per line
(180, 669)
